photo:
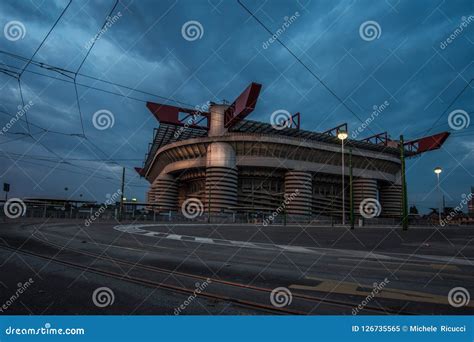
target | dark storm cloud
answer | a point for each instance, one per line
(144, 48)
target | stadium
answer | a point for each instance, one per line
(211, 160)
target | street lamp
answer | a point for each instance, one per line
(342, 135)
(437, 170)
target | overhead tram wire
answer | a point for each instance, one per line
(449, 105)
(34, 54)
(82, 63)
(304, 65)
(65, 72)
(26, 66)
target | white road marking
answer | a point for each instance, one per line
(357, 254)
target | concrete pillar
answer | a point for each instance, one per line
(164, 193)
(221, 177)
(216, 122)
(391, 200)
(298, 192)
(364, 189)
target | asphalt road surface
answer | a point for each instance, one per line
(177, 269)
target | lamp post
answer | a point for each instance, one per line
(438, 171)
(342, 135)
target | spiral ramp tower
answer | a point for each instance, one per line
(164, 192)
(298, 193)
(391, 200)
(364, 189)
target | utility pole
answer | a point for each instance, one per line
(208, 201)
(122, 194)
(404, 187)
(351, 190)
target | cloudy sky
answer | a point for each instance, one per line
(403, 58)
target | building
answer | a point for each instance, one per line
(229, 164)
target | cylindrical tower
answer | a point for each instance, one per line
(165, 193)
(221, 177)
(391, 200)
(364, 189)
(216, 121)
(298, 192)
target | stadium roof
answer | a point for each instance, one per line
(169, 133)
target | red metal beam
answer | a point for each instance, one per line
(170, 115)
(425, 144)
(243, 105)
(140, 171)
(377, 138)
(334, 131)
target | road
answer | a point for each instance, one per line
(237, 269)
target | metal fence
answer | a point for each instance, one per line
(103, 213)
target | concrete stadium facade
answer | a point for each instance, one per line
(255, 167)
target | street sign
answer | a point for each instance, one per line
(6, 187)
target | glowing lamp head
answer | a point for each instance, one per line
(438, 170)
(342, 135)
